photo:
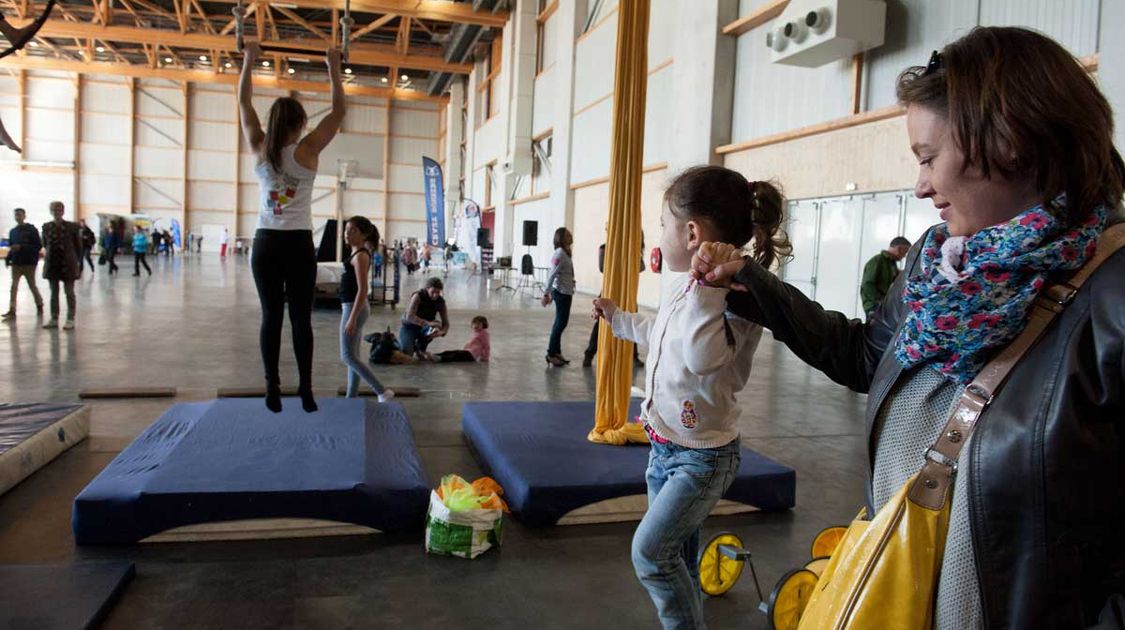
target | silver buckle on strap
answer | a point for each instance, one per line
(979, 395)
(936, 457)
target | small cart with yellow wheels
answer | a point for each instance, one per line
(720, 565)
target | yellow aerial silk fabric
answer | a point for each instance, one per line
(623, 242)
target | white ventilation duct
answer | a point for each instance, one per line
(521, 88)
(811, 33)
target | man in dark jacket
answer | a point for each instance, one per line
(62, 263)
(88, 242)
(23, 258)
(880, 272)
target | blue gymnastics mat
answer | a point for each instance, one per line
(61, 597)
(353, 461)
(539, 454)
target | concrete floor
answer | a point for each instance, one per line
(193, 325)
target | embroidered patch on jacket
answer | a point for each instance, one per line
(687, 415)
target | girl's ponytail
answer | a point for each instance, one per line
(767, 211)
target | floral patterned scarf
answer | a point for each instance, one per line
(974, 293)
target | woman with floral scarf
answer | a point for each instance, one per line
(1014, 144)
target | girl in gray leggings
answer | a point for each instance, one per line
(363, 237)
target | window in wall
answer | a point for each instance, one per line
(543, 58)
(488, 174)
(541, 163)
(489, 88)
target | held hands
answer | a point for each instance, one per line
(604, 308)
(715, 264)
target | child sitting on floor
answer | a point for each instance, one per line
(477, 349)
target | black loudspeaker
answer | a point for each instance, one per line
(530, 233)
(527, 265)
(482, 237)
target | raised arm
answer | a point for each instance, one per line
(251, 126)
(311, 145)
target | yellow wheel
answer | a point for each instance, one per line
(816, 565)
(825, 542)
(789, 598)
(718, 573)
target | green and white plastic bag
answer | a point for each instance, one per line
(463, 533)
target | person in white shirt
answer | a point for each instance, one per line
(699, 357)
(284, 258)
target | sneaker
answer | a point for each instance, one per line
(69, 325)
(8, 316)
(51, 324)
(387, 394)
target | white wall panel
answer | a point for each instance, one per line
(367, 151)
(210, 195)
(152, 162)
(488, 143)
(593, 63)
(248, 198)
(543, 101)
(104, 191)
(403, 230)
(661, 30)
(153, 101)
(157, 192)
(404, 206)
(50, 125)
(105, 97)
(1073, 23)
(159, 132)
(914, 29)
(592, 133)
(209, 105)
(37, 150)
(365, 118)
(550, 42)
(100, 159)
(539, 211)
(409, 122)
(198, 218)
(105, 129)
(247, 224)
(658, 117)
(211, 165)
(411, 150)
(406, 178)
(770, 98)
(211, 135)
(42, 92)
(34, 191)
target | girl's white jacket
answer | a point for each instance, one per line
(699, 357)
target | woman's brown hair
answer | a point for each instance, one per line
(740, 211)
(367, 229)
(1020, 105)
(286, 116)
(560, 240)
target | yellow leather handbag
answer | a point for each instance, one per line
(884, 572)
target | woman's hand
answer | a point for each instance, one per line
(715, 264)
(546, 299)
(251, 51)
(349, 328)
(604, 308)
(333, 59)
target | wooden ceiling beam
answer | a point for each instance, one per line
(206, 76)
(300, 20)
(434, 10)
(358, 53)
(377, 23)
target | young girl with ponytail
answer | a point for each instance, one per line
(699, 357)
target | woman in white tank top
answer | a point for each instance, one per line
(283, 258)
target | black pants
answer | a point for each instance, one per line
(455, 356)
(592, 346)
(89, 259)
(284, 266)
(138, 260)
(562, 318)
(109, 256)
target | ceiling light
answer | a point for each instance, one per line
(347, 70)
(203, 57)
(384, 79)
(229, 64)
(265, 64)
(167, 60)
(34, 44)
(100, 48)
(292, 71)
(404, 77)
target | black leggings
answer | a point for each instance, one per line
(284, 266)
(138, 260)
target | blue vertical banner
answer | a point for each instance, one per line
(435, 202)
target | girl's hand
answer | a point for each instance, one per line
(251, 51)
(604, 308)
(349, 328)
(715, 264)
(546, 299)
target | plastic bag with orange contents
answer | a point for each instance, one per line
(465, 519)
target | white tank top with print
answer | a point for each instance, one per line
(285, 197)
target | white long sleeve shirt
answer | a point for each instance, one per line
(699, 357)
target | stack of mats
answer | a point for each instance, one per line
(227, 460)
(539, 453)
(32, 434)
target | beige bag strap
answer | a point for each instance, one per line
(930, 487)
